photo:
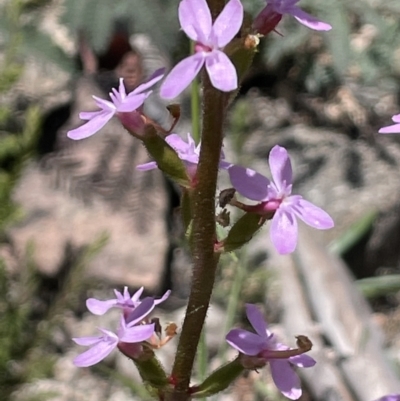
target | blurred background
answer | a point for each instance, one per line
(77, 219)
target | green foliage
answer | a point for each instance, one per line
(19, 25)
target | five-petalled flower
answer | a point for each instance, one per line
(124, 301)
(392, 129)
(277, 199)
(272, 13)
(120, 103)
(263, 346)
(196, 22)
(127, 339)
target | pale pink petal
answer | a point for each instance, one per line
(308, 20)
(286, 379)
(95, 354)
(137, 333)
(132, 103)
(146, 166)
(91, 127)
(141, 311)
(312, 215)
(256, 319)
(281, 169)
(396, 118)
(104, 104)
(249, 183)
(136, 296)
(87, 340)
(228, 23)
(283, 231)
(153, 79)
(390, 129)
(302, 361)
(181, 76)
(89, 115)
(163, 298)
(195, 19)
(98, 307)
(221, 71)
(245, 342)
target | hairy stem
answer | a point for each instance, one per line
(203, 210)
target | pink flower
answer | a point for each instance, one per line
(122, 300)
(120, 103)
(264, 347)
(276, 198)
(272, 13)
(392, 129)
(196, 22)
(127, 339)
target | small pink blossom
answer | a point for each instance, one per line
(272, 13)
(127, 339)
(124, 301)
(263, 345)
(120, 103)
(196, 22)
(276, 197)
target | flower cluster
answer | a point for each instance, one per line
(133, 330)
(216, 43)
(262, 348)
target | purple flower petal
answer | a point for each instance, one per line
(137, 334)
(256, 319)
(195, 19)
(228, 23)
(221, 71)
(132, 103)
(141, 311)
(249, 183)
(153, 79)
(91, 127)
(96, 354)
(392, 129)
(283, 231)
(88, 115)
(163, 298)
(281, 169)
(302, 361)
(146, 166)
(308, 20)
(87, 340)
(286, 379)
(313, 215)
(136, 296)
(181, 76)
(245, 342)
(98, 307)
